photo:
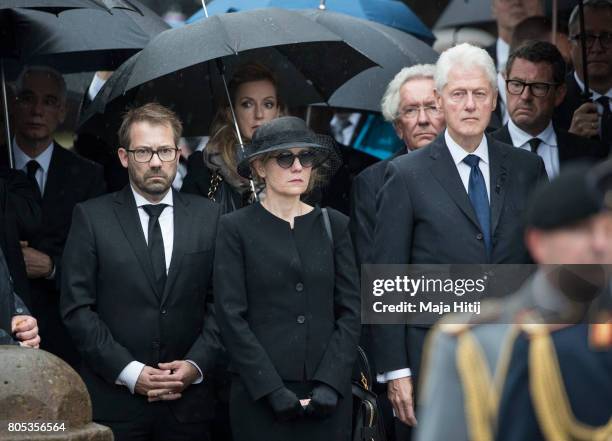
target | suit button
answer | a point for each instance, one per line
(301, 319)
(299, 287)
(156, 343)
(163, 311)
(479, 236)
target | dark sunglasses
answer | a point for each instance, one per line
(286, 159)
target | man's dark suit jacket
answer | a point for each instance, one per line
(20, 219)
(573, 99)
(571, 147)
(115, 312)
(71, 179)
(564, 113)
(424, 216)
(10, 304)
(363, 208)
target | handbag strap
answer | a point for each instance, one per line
(327, 224)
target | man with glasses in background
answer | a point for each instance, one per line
(62, 179)
(534, 85)
(590, 118)
(136, 293)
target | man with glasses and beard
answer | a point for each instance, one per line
(534, 85)
(136, 291)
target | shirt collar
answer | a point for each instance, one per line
(43, 159)
(595, 94)
(140, 200)
(459, 154)
(520, 137)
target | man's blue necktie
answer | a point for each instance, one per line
(477, 192)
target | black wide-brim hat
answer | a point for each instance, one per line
(285, 133)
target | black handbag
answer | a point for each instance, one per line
(367, 421)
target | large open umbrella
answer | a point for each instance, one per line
(391, 49)
(79, 39)
(180, 67)
(478, 12)
(392, 13)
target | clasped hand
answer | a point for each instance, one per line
(166, 383)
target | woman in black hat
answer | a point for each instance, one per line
(287, 296)
(212, 172)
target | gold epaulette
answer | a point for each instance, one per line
(550, 401)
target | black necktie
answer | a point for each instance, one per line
(534, 143)
(477, 192)
(156, 243)
(32, 167)
(606, 120)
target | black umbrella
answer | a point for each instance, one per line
(390, 48)
(179, 67)
(82, 40)
(478, 12)
(79, 39)
(57, 6)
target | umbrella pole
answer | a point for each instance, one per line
(554, 22)
(7, 127)
(221, 68)
(585, 74)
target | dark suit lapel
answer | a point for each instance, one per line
(444, 170)
(57, 181)
(182, 229)
(127, 213)
(498, 171)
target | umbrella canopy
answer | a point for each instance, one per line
(179, 67)
(478, 12)
(391, 49)
(392, 13)
(80, 40)
(57, 6)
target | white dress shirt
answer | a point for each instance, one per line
(502, 51)
(346, 133)
(503, 97)
(129, 375)
(43, 159)
(458, 154)
(548, 149)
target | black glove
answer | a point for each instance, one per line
(285, 404)
(324, 401)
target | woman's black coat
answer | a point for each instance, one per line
(288, 307)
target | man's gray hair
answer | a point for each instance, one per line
(46, 70)
(467, 56)
(391, 99)
(595, 4)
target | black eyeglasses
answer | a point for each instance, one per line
(516, 87)
(605, 39)
(165, 154)
(307, 158)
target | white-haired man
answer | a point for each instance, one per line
(410, 105)
(458, 200)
